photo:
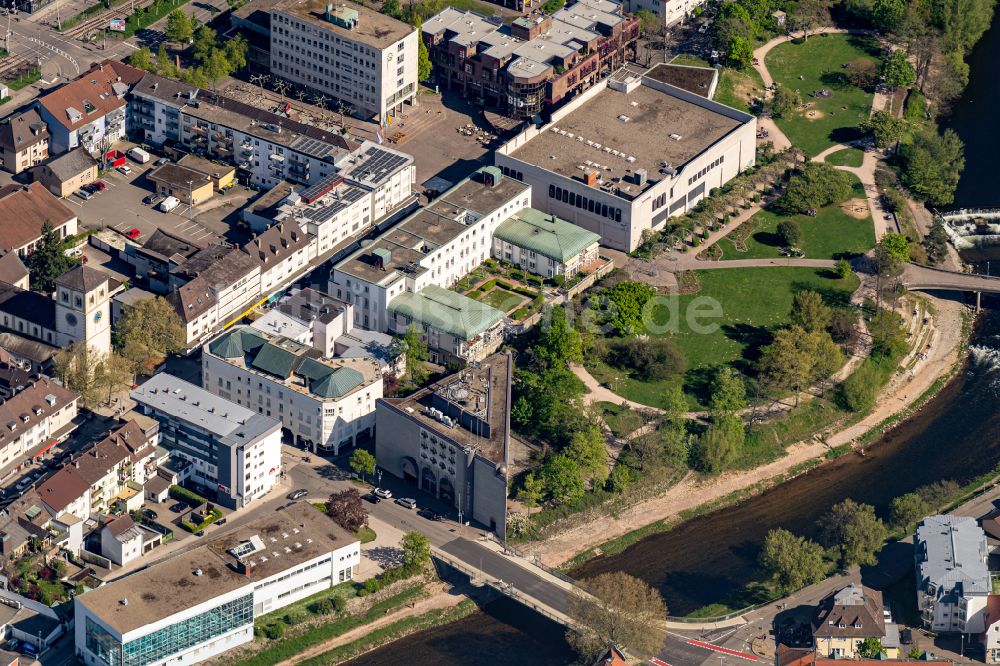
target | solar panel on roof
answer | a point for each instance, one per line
(311, 146)
(320, 187)
(376, 164)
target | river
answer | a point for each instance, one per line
(955, 436)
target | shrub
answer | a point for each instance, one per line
(372, 585)
(184, 495)
(650, 358)
(340, 604)
(323, 607)
(296, 615)
(274, 631)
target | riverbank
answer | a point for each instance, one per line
(696, 494)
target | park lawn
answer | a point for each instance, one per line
(832, 234)
(849, 157)
(819, 61)
(501, 299)
(738, 86)
(754, 302)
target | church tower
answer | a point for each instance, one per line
(83, 309)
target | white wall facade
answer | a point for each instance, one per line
(671, 11)
(277, 275)
(258, 465)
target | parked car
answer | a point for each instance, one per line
(384, 493)
(100, 185)
(124, 170)
(373, 498)
(220, 521)
(153, 199)
(407, 502)
(161, 161)
(84, 194)
(12, 645)
(132, 233)
(200, 533)
(169, 204)
(90, 187)
(149, 513)
(297, 494)
(178, 507)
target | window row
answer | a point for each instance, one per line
(584, 203)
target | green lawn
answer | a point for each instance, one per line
(850, 157)
(501, 299)
(691, 60)
(24, 80)
(754, 301)
(621, 420)
(820, 62)
(832, 234)
(736, 87)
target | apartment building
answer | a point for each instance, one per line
(32, 418)
(108, 474)
(284, 252)
(203, 601)
(537, 61)
(846, 617)
(323, 404)
(628, 154)
(356, 55)
(25, 210)
(669, 11)
(451, 440)
(221, 445)
(953, 581)
(24, 141)
(90, 110)
(438, 244)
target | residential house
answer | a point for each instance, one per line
(34, 417)
(544, 244)
(25, 210)
(90, 110)
(991, 634)
(24, 141)
(846, 618)
(953, 581)
(13, 271)
(124, 541)
(65, 174)
(284, 251)
(788, 656)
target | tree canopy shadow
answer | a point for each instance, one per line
(831, 296)
(836, 80)
(845, 134)
(768, 238)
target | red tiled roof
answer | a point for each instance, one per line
(62, 489)
(96, 87)
(787, 656)
(25, 210)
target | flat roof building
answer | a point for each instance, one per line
(452, 438)
(203, 601)
(228, 448)
(953, 580)
(362, 57)
(628, 154)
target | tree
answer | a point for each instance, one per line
(152, 326)
(392, 8)
(862, 72)
(346, 509)
(558, 342)
(236, 50)
(884, 128)
(843, 269)
(784, 101)
(897, 72)
(789, 233)
(720, 445)
(179, 28)
(204, 43)
(892, 251)
(887, 15)
(728, 393)
(888, 334)
(932, 165)
(915, 653)
(858, 392)
(532, 490)
(625, 303)
(813, 186)
(739, 52)
(561, 476)
(652, 359)
(142, 59)
(618, 608)
(362, 462)
(416, 550)
(47, 262)
(416, 355)
(810, 312)
(853, 533)
(797, 358)
(113, 374)
(792, 562)
(78, 368)
(871, 648)
(936, 243)
(809, 14)
(649, 23)
(586, 447)
(906, 510)
(424, 66)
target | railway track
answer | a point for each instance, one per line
(100, 21)
(12, 63)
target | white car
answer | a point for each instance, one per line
(384, 493)
(407, 502)
(169, 204)
(124, 170)
(703, 28)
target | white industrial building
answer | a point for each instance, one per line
(322, 404)
(203, 601)
(221, 445)
(356, 55)
(628, 154)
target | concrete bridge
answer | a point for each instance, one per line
(925, 278)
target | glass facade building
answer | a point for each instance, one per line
(170, 640)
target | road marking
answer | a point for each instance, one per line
(657, 662)
(716, 648)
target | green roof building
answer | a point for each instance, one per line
(544, 244)
(455, 327)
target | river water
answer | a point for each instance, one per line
(955, 436)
